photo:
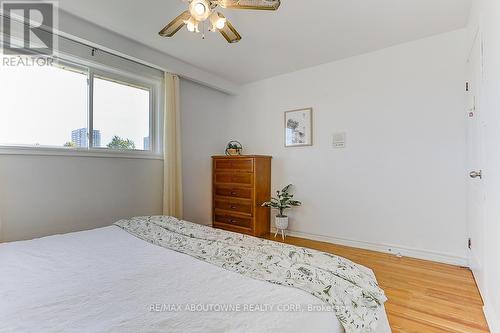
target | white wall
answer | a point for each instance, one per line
(400, 183)
(204, 118)
(45, 195)
(486, 17)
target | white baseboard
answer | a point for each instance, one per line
(492, 319)
(386, 248)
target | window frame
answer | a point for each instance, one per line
(151, 84)
(124, 80)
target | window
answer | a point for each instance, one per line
(41, 105)
(121, 115)
(58, 106)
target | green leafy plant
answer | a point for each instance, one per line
(121, 144)
(70, 144)
(283, 201)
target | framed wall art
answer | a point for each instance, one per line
(298, 128)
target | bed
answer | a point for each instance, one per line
(108, 280)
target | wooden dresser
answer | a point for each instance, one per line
(240, 185)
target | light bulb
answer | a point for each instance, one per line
(190, 26)
(221, 23)
(218, 21)
(199, 8)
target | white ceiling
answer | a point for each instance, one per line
(302, 33)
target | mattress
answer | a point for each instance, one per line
(106, 280)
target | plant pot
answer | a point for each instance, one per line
(233, 152)
(281, 222)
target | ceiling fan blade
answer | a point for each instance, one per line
(250, 4)
(229, 32)
(175, 25)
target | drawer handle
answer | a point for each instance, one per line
(233, 207)
(233, 193)
(232, 221)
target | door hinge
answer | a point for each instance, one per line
(466, 86)
(469, 243)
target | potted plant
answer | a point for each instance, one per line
(233, 148)
(283, 201)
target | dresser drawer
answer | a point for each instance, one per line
(233, 192)
(233, 178)
(228, 219)
(244, 165)
(239, 185)
(242, 207)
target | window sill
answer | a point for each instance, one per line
(72, 152)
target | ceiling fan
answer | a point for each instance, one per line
(200, 11)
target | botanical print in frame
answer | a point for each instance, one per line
(298, 128)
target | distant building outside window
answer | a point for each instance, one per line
(79, 138)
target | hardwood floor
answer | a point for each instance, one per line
(424, 296)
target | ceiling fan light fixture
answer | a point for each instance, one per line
(221, 23)
(218, 23)
(192, 25)
(200, 9)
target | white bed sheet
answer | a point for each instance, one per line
(106, 280)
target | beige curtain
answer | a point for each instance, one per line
(172, 181)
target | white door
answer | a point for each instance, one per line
(475, 178)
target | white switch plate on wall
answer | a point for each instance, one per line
(339, 140)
